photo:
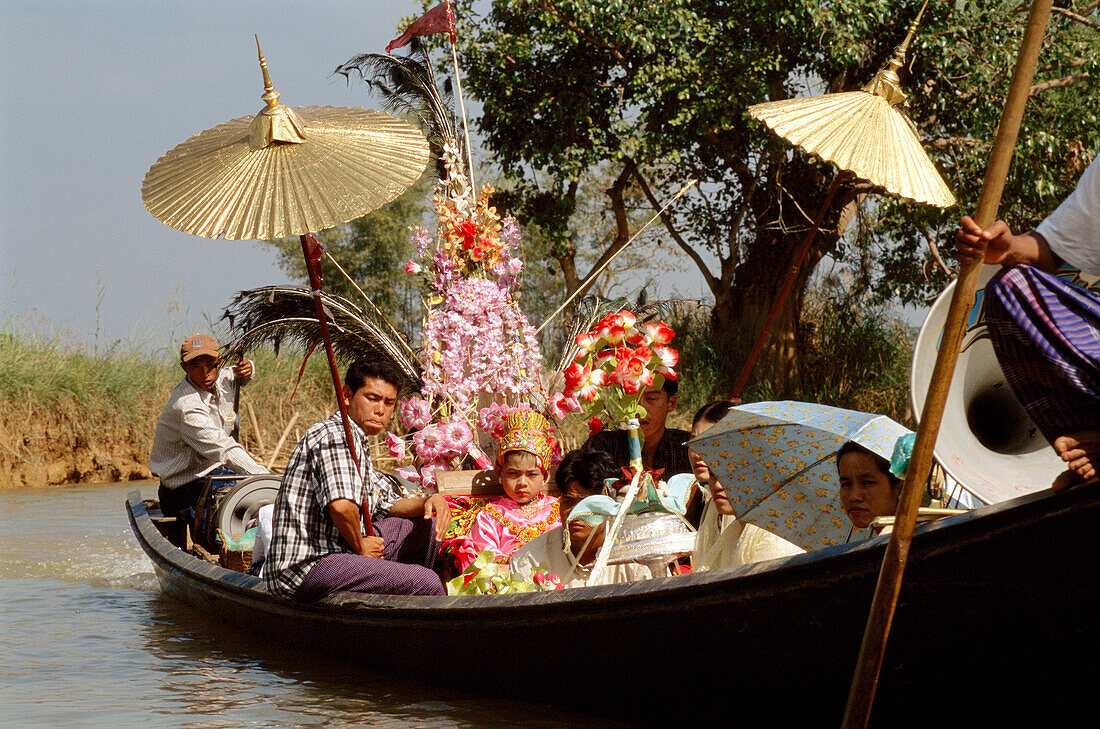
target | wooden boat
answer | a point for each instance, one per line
(996, 619)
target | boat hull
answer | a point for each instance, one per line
(996, 613)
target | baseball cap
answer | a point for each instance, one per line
(197, 345)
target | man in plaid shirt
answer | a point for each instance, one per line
(318, 545)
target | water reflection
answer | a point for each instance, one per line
(214, 674)
(87, 640)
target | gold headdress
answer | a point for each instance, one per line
(527, 431)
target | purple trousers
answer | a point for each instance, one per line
(409, 554)
(1046, 333)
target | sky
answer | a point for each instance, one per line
(91, 95)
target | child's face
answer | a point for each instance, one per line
(521, 477)
(865, 491)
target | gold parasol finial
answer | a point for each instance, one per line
(886, 82)
(275, 122)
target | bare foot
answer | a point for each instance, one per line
(1081, 452)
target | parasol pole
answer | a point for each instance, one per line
(865, 680)
(311, 251)
(462, 107)
(785, 290)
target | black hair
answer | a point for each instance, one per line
(712, 412)
(588, 468)
(361, 370)
(881, 463)
(671, 387)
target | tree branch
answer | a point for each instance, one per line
(1057, 83)
(712, 282)
(1075, 17)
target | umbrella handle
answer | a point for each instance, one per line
(865, 680)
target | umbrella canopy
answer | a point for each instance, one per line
(284, 171)
(777, 461)
(864, 132)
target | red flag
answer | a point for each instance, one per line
(440, 19)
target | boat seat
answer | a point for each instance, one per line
(478, 483)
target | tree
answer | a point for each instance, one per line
(655, 94)
(373, 250)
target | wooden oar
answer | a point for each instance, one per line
(865, 680)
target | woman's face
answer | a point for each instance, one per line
(704, 476)
(698, 465)
(865, 491)
(521, 476)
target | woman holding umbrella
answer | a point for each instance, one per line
(723, 540)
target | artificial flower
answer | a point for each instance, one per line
(415, 412)
(396, 446)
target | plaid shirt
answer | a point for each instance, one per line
(671, 453)
(320, 471)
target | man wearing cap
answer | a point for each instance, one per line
(193, 438)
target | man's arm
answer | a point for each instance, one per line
(421, 507)
(345, 515)
(1002, 246)
(200, 433)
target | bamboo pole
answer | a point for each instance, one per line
(865, 680)
(255, 427)
(311, 251)
(282, 439)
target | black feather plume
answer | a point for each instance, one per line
(286, 314)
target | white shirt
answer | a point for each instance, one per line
(193, 434)
(1073, 230)
(547, 551)
(725, 541)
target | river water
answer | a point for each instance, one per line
(87, 640)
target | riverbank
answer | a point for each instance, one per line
(68, 417)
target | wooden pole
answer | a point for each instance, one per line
(256, 428)
(311, 250)
(282, 439)
(861, 696)
(785, 290)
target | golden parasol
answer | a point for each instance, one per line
(287, 172)
(284, 171)
(864, 133)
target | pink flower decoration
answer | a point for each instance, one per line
(396, 446)
(561, 405)
(415, 412)
(412, 267)
(409, 473)
(430, 442)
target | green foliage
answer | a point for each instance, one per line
(373, 250)
(657, 93)
(857, 356)
(48, 373)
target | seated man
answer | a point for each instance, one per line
(1046, 331)
(570, 554)
(662, 447)
(318, 544)
(192, 439)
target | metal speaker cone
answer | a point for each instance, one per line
(986, 441)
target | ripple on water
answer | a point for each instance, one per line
(86, 640)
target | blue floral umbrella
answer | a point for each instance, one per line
(777, 461)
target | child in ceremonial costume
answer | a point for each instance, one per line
(504, 524)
